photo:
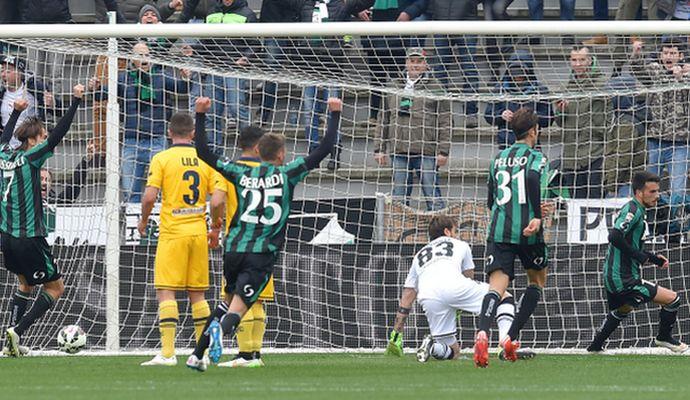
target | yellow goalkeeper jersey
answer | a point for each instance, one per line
(185, 182)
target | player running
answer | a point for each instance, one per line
(257, 231)
(515, 231)
(442, 278)
(22, 224)
(184, 183)
(625, 289)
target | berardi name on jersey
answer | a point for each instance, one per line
(265, 182)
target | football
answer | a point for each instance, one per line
(71, 339)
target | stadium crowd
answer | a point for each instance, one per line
(605, 139)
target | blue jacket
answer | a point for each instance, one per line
(144, 119)
(523, 61)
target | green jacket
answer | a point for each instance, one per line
(625, 153)
(585, 120)
(415, 124)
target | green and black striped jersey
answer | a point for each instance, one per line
(509, 200)
(264, 194)
(21, 206)
(621, 271)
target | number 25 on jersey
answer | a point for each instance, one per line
(266, 198)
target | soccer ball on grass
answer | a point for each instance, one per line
(71, 339)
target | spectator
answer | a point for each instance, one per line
(672, 9)
(625, 147)
(16, 84)
(149, 14)
(278, 50)
(415, 131)
(44, 11)
(72, 190)
(145, 91)
(192, 10)
(630, 9)
(10, 12)
(585, 123)
(130, 9)
(669, 108)
(518, 80)
(386, 54)
(496, 48)
(102, 8)
(324, 56)
(228, 94)
(466, 47)
(536, 10)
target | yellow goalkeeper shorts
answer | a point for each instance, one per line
(266, 295)
(181, 263)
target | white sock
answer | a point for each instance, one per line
(441, 351)
(505, 313)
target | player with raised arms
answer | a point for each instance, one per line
(515, 231)
(257, 231)
(22, 223)
(250, 333)
(625, 289)
(442, 279)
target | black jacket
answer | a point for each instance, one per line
(44, 11)
(281, 11)
(414, 8)
(198, 9)
(452, 10)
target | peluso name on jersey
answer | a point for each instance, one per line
(510, 162)
(261, 183)
(10, 165)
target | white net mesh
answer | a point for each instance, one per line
(605, 112)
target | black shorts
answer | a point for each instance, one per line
(634, 297)
(501, 256)
(29, 257)
(247, 274)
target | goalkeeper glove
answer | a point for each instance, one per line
(395, 341)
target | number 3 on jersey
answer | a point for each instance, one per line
(443, 249)
(193, 176)
(503, 179)
(255, 199)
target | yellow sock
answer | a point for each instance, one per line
(244, 332)
(259, 326)
(168, 315)
(200, 313)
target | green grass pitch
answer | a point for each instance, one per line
(350, 376)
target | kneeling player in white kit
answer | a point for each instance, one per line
(441, 277)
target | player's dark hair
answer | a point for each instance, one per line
(523, 121)
(32, 127)
(439, 223)
(181, 125)
(673, 41)
(580, 47)
(249, 136)
(270, 145)
(641, 178)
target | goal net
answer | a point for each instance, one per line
(426, 108)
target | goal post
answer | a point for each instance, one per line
(356, 223)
